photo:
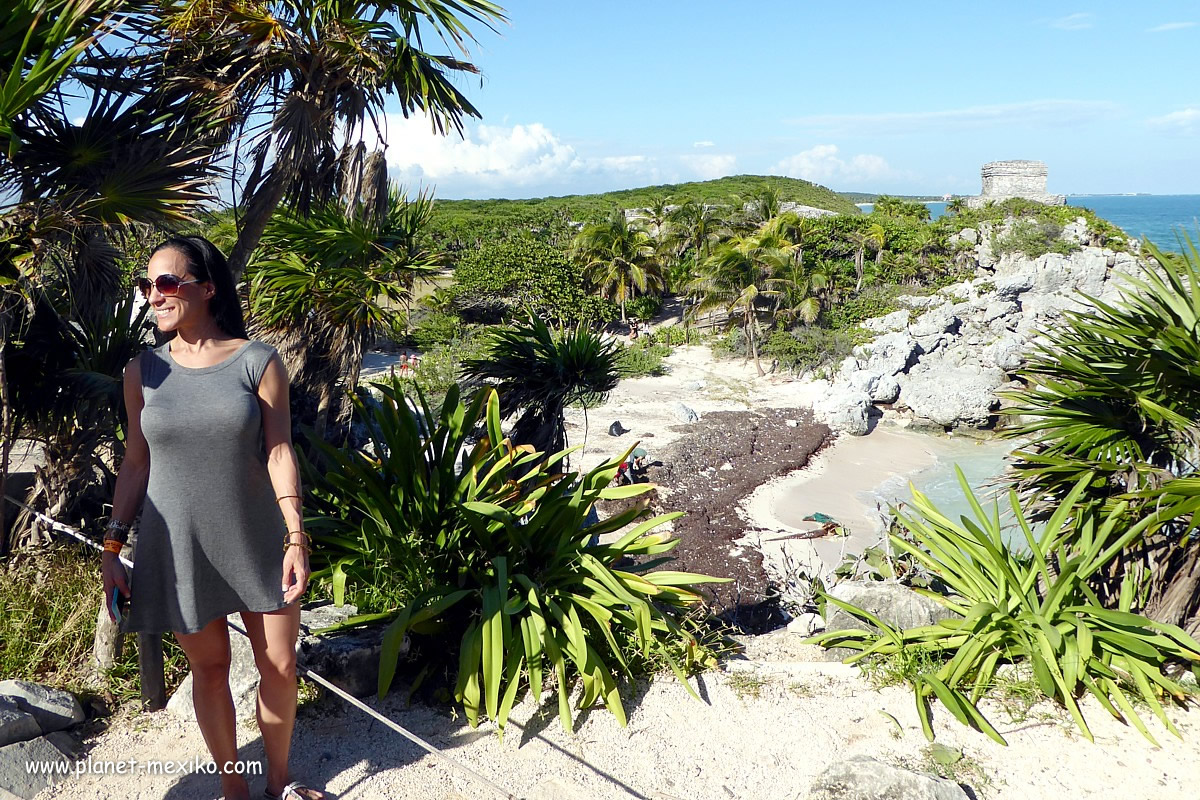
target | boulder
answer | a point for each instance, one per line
(1006, 353)
(807, 624)
(684, 413)
(951, 395)
(896, 321)
(845, 409)
(53, 709)
(920, 300)
(1011, 287)
(863, 380)
(969, 235)
(16, 725)
(1076, 231)
(896, 605)
(890, 354)
(938, 321)
(348, 659)
(999, 308)
(886, 390)
(54, 750)
(866, 778)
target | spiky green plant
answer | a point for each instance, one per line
(1030, 607)
(499, 557)
(1114, 392)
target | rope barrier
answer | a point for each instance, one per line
(75, 533)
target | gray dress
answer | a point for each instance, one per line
(210, 541)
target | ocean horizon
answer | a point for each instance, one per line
(1161, 218)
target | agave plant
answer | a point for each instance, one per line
(1029, 607)
(500, 557)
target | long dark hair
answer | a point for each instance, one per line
(207, 263)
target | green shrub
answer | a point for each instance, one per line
(1033, 238)
(808, 348)
(643, 307)
(523, 274)
(1031, 607)
(48, 605)
(490, 547)
(872, 301)
(642, 359)
(435, 328)
(671, 336)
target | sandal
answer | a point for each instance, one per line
(295, 791)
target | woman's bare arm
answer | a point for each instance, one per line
(285, 473)
(130, 490)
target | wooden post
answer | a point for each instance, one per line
(150, 671)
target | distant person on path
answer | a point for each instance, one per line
(633, 329)
(209, 463)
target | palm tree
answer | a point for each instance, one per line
(539, 373)
(956, 206)
(737, 277)
(307, 76)
(1113, 395)
(619, 258)
(658, 215)
(331, 282)
(874, 237)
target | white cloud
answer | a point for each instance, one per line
(708, 166)
(1040, 113)
(704, 143)
(1073, 22)
(823, 164)
(1170, 26)
(1185, 121)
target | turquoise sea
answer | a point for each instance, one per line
(1158, 217)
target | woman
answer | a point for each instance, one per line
(209, 462)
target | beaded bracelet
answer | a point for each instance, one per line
(301, 545)
(117, 530)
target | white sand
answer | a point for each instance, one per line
(765, 729)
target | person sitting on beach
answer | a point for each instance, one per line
(209, 463)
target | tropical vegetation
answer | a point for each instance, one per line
(455, 531)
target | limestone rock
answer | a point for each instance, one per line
(684, 413)
(969, 235)
(1076, 231)
(1013, 286)
(895, 321)
(898, 606)
(866, 778)
(997, 309)
(938, 321)
(1005, 353)
(886, 390)
(806, 624)
(891, 353)
(844, 408)
(16, 725)
(949, 395)
(53, 709)
(54, 749)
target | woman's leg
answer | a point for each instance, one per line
(273, 636)
(208, 656)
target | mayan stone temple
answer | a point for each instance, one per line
(1005, 179)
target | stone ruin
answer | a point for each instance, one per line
(1024, 179)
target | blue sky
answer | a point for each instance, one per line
(873, 96)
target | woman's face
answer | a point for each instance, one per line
(189, 305)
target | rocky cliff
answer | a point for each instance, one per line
(942, 358)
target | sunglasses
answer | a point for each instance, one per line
(166, 284)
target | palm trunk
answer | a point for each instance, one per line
(859, 255)
(6, 441)
(753, 340)
(259, 209)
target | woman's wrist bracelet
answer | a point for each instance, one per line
(281, 498)
(113, 546)
(301, 545)
(117, 530)
(290, 534)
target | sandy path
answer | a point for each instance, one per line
(763, 730)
